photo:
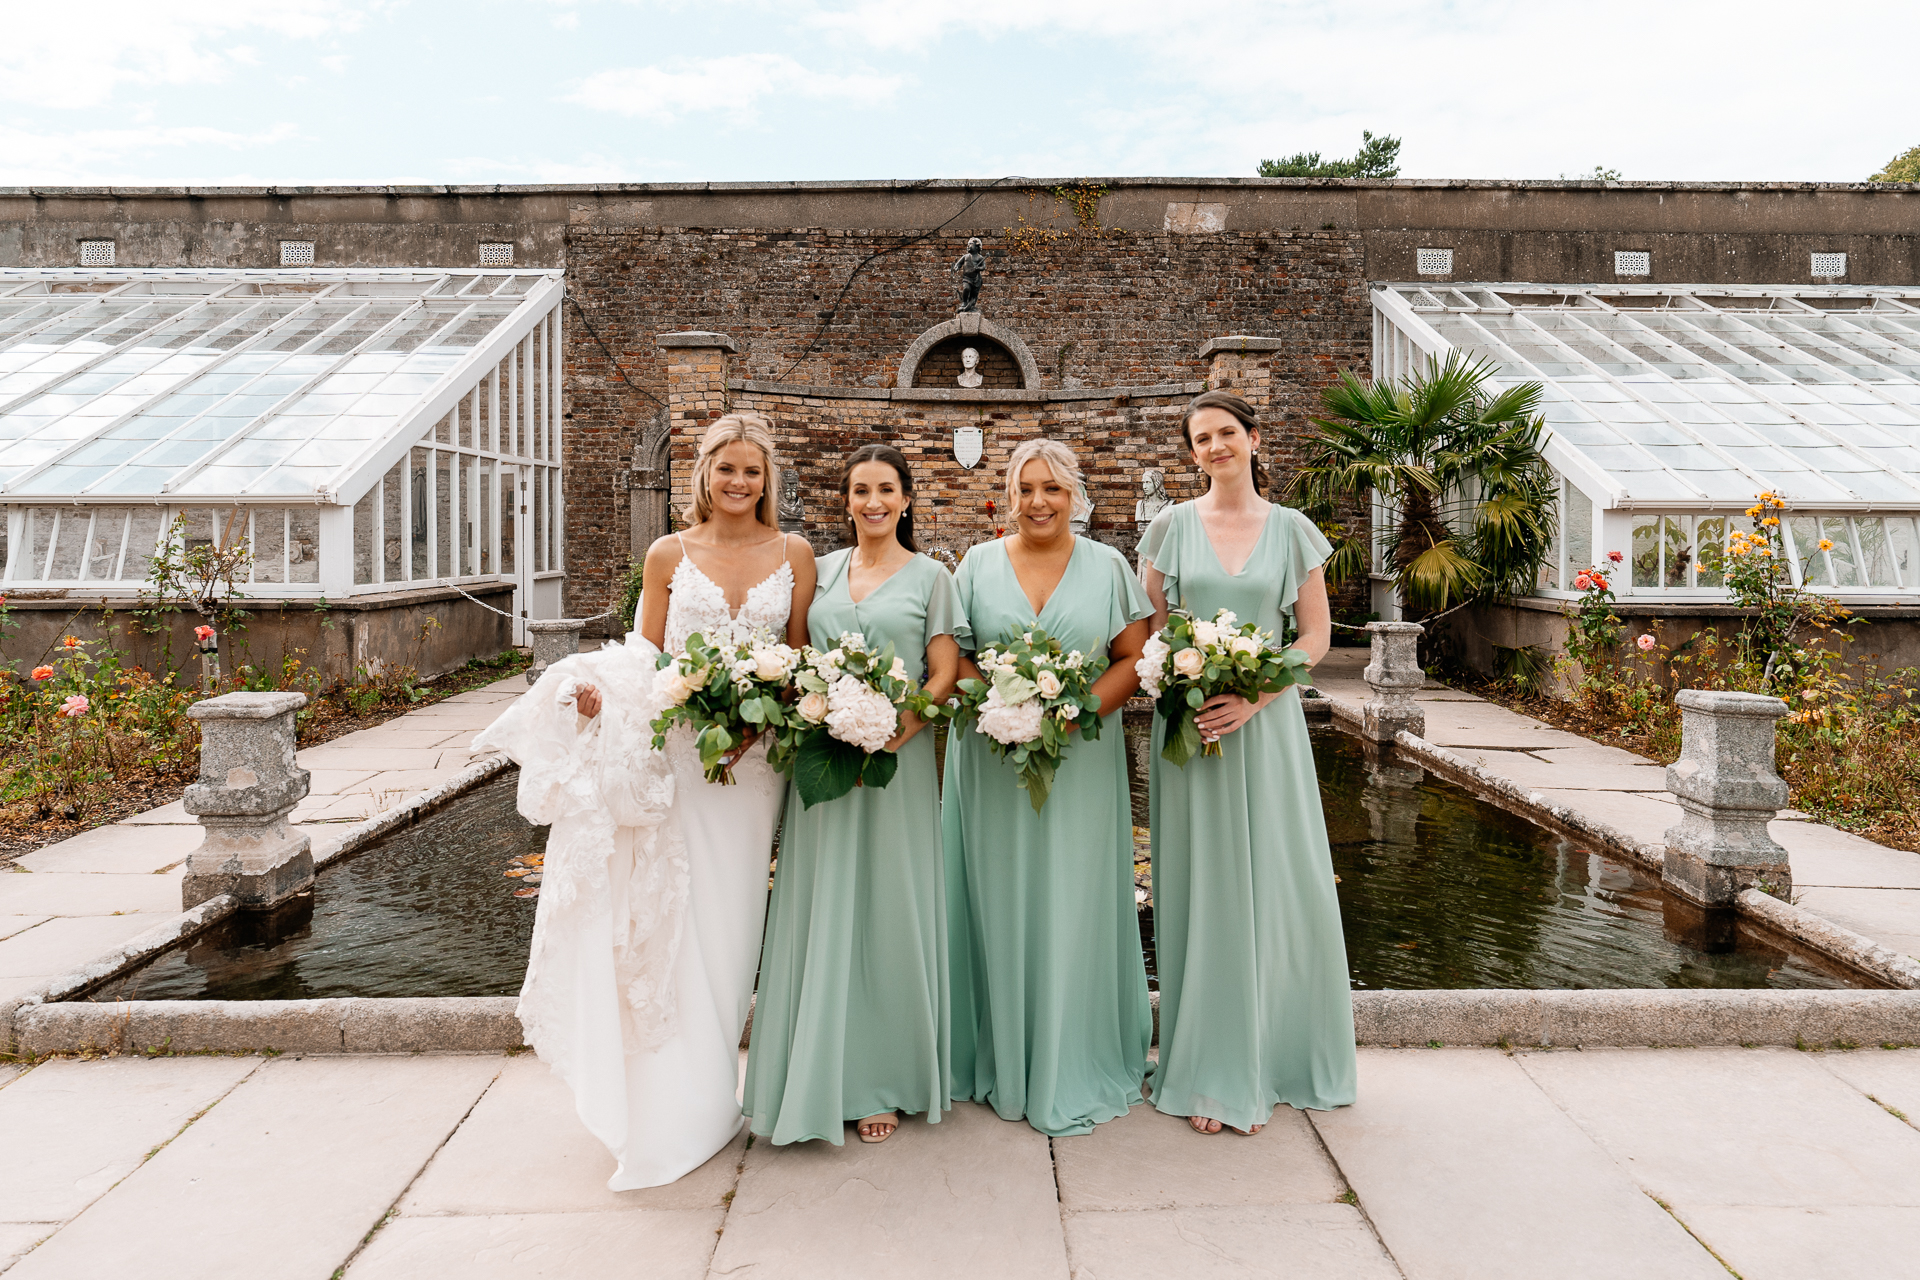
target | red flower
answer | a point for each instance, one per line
(72, 642)
(990, 507)
(43, 673)
(1615, 556)
(1001, 532)
(202, 633)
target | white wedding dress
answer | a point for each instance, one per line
(653, 897)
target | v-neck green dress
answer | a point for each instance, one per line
(851, 1019)
(1050, 1012)
(1255, 1007)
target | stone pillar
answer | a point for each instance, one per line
(1728, 792)
(1395, 676)
(1243, 365)
(553, 639)
(647, 486)
(248, 784)
(698, 365)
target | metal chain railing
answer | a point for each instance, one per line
(449, 582)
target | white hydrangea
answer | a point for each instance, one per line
(860, 714)
(1010, 725)
(1152, 666)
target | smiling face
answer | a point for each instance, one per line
(737, 478)
(1221, 446)
(1045, 507)
(875, 500)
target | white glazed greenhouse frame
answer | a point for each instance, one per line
(1669, 407)
(365, 431)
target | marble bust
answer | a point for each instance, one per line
(969, 368)
(1153, 499)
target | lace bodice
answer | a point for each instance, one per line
(695, 602)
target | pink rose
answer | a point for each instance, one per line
(202, 633)
(75, 705)
(1615, 556)
(1582, 582)
(1645, 643)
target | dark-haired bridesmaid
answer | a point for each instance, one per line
(1254, 1001)
(851, 1021)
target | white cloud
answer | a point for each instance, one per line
(59, 56)
(118, 157)
(731, 85)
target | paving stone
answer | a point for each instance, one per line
(16, 1238)
(524, 1150)
(8, 1073)
(1299, 1242)
(1145, 1160)
(334, 755)
(409, 737)
(10, 925)
(1735, 1126)
(1890, 1077)
(70, 893)
(1890, 917)
(72, 1129)
(660, 1244)
(1793, 1244)
(12, 987)
(970, 1196)
(1467, 1170)
(167, 814)
(1824, 856)
(1638, 816)
(1592, 753)
(118, 849)
(283, 1178)
(1522, 768)
(401, 782)
(333, 782)
(64, 945)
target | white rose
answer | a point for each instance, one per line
(1244, 644)
(860, 714)
(670, 684)
(1152, 666)
(899, 670)
(1206, 633)
(1049, 684)
(1226, 619)
(697, 678)
(1009, 725)
(773, 662)
(836, 658)
(813, 707)
(1189, 662)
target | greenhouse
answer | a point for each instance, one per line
(359, 431)
(1670, 407)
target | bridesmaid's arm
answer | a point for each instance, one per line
(943, 673)
(1156, 584)
(1311, 614)
(1118, 682)
(805, 575)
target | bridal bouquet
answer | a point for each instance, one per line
(849, 709)
(1029, 695)
(1193, 659)
(726, 690)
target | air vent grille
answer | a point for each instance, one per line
(1433, 262)
(1830, 265)
(296, 253)
(96, 253)
(1632, 262)
(496, 254)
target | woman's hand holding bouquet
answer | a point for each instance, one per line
(1030, 695)
(1193, 659)
(730, 691)
(836, 736)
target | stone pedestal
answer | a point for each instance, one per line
(1394, 675)
(553, 639)
(1728, 792)
(248, 785)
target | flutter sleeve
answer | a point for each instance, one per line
(946, 616)
(962, 582)
(1160, 547)
(1303, 549)
(1128, 599)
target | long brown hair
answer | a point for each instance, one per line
(1240, 409)
(898, 461)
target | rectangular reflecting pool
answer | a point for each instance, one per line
(1438, 889)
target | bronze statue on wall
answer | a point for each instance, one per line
(967, 270)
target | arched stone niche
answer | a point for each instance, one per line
(983, 331)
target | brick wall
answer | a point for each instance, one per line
(1129, 311)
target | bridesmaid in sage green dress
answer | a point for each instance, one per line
(851, 1020)
(1255, 1008)
(1050, 1012)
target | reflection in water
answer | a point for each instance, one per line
(1437, 890)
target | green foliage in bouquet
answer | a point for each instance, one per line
(849, 706)
(1227, 656)
(727, 693)
(1030, 697)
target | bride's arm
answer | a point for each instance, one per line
(805, 575)
(663, 557)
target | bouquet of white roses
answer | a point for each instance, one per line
(1029, 695)
(726, 689)
(1193, 659)
(835, 736)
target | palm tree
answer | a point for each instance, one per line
(1469, 501)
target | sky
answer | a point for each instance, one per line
(250, 92)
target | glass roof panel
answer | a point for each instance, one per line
(1715, 390)
(133, 382)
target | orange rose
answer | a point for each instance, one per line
(43, 673)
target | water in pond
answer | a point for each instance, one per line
(1438, 889)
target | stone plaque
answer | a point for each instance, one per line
(967, 444)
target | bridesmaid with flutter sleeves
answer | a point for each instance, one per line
(1255, 1008)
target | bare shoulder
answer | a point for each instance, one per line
(663, 557)
(799, 550)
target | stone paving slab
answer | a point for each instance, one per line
(18, 1237)
(401, 781)
(1527, 771)
(332, 782)
(10, 925)
(1299, 1242)
(970, 1196)
(283, 1178)
(1890, 917)
(1822, 855)
(334, 755)
(659, 1244)
(1891, 1078)
(1641, 816)
(166, 814)
(89, 894)
(1794, 1244)
(1467, 1170)
(1145, 1160)
(66, 944)
(1683, 1124)
(105, 849)
(524, 1150)
(71, 1130)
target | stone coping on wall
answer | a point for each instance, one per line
(1237, 344)
(54, 598)
(968, 395)
(699, 339)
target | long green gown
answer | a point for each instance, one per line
(851, 1019)
(1255, 1008)
(1050, 1012)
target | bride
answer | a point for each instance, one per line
(654, 889)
